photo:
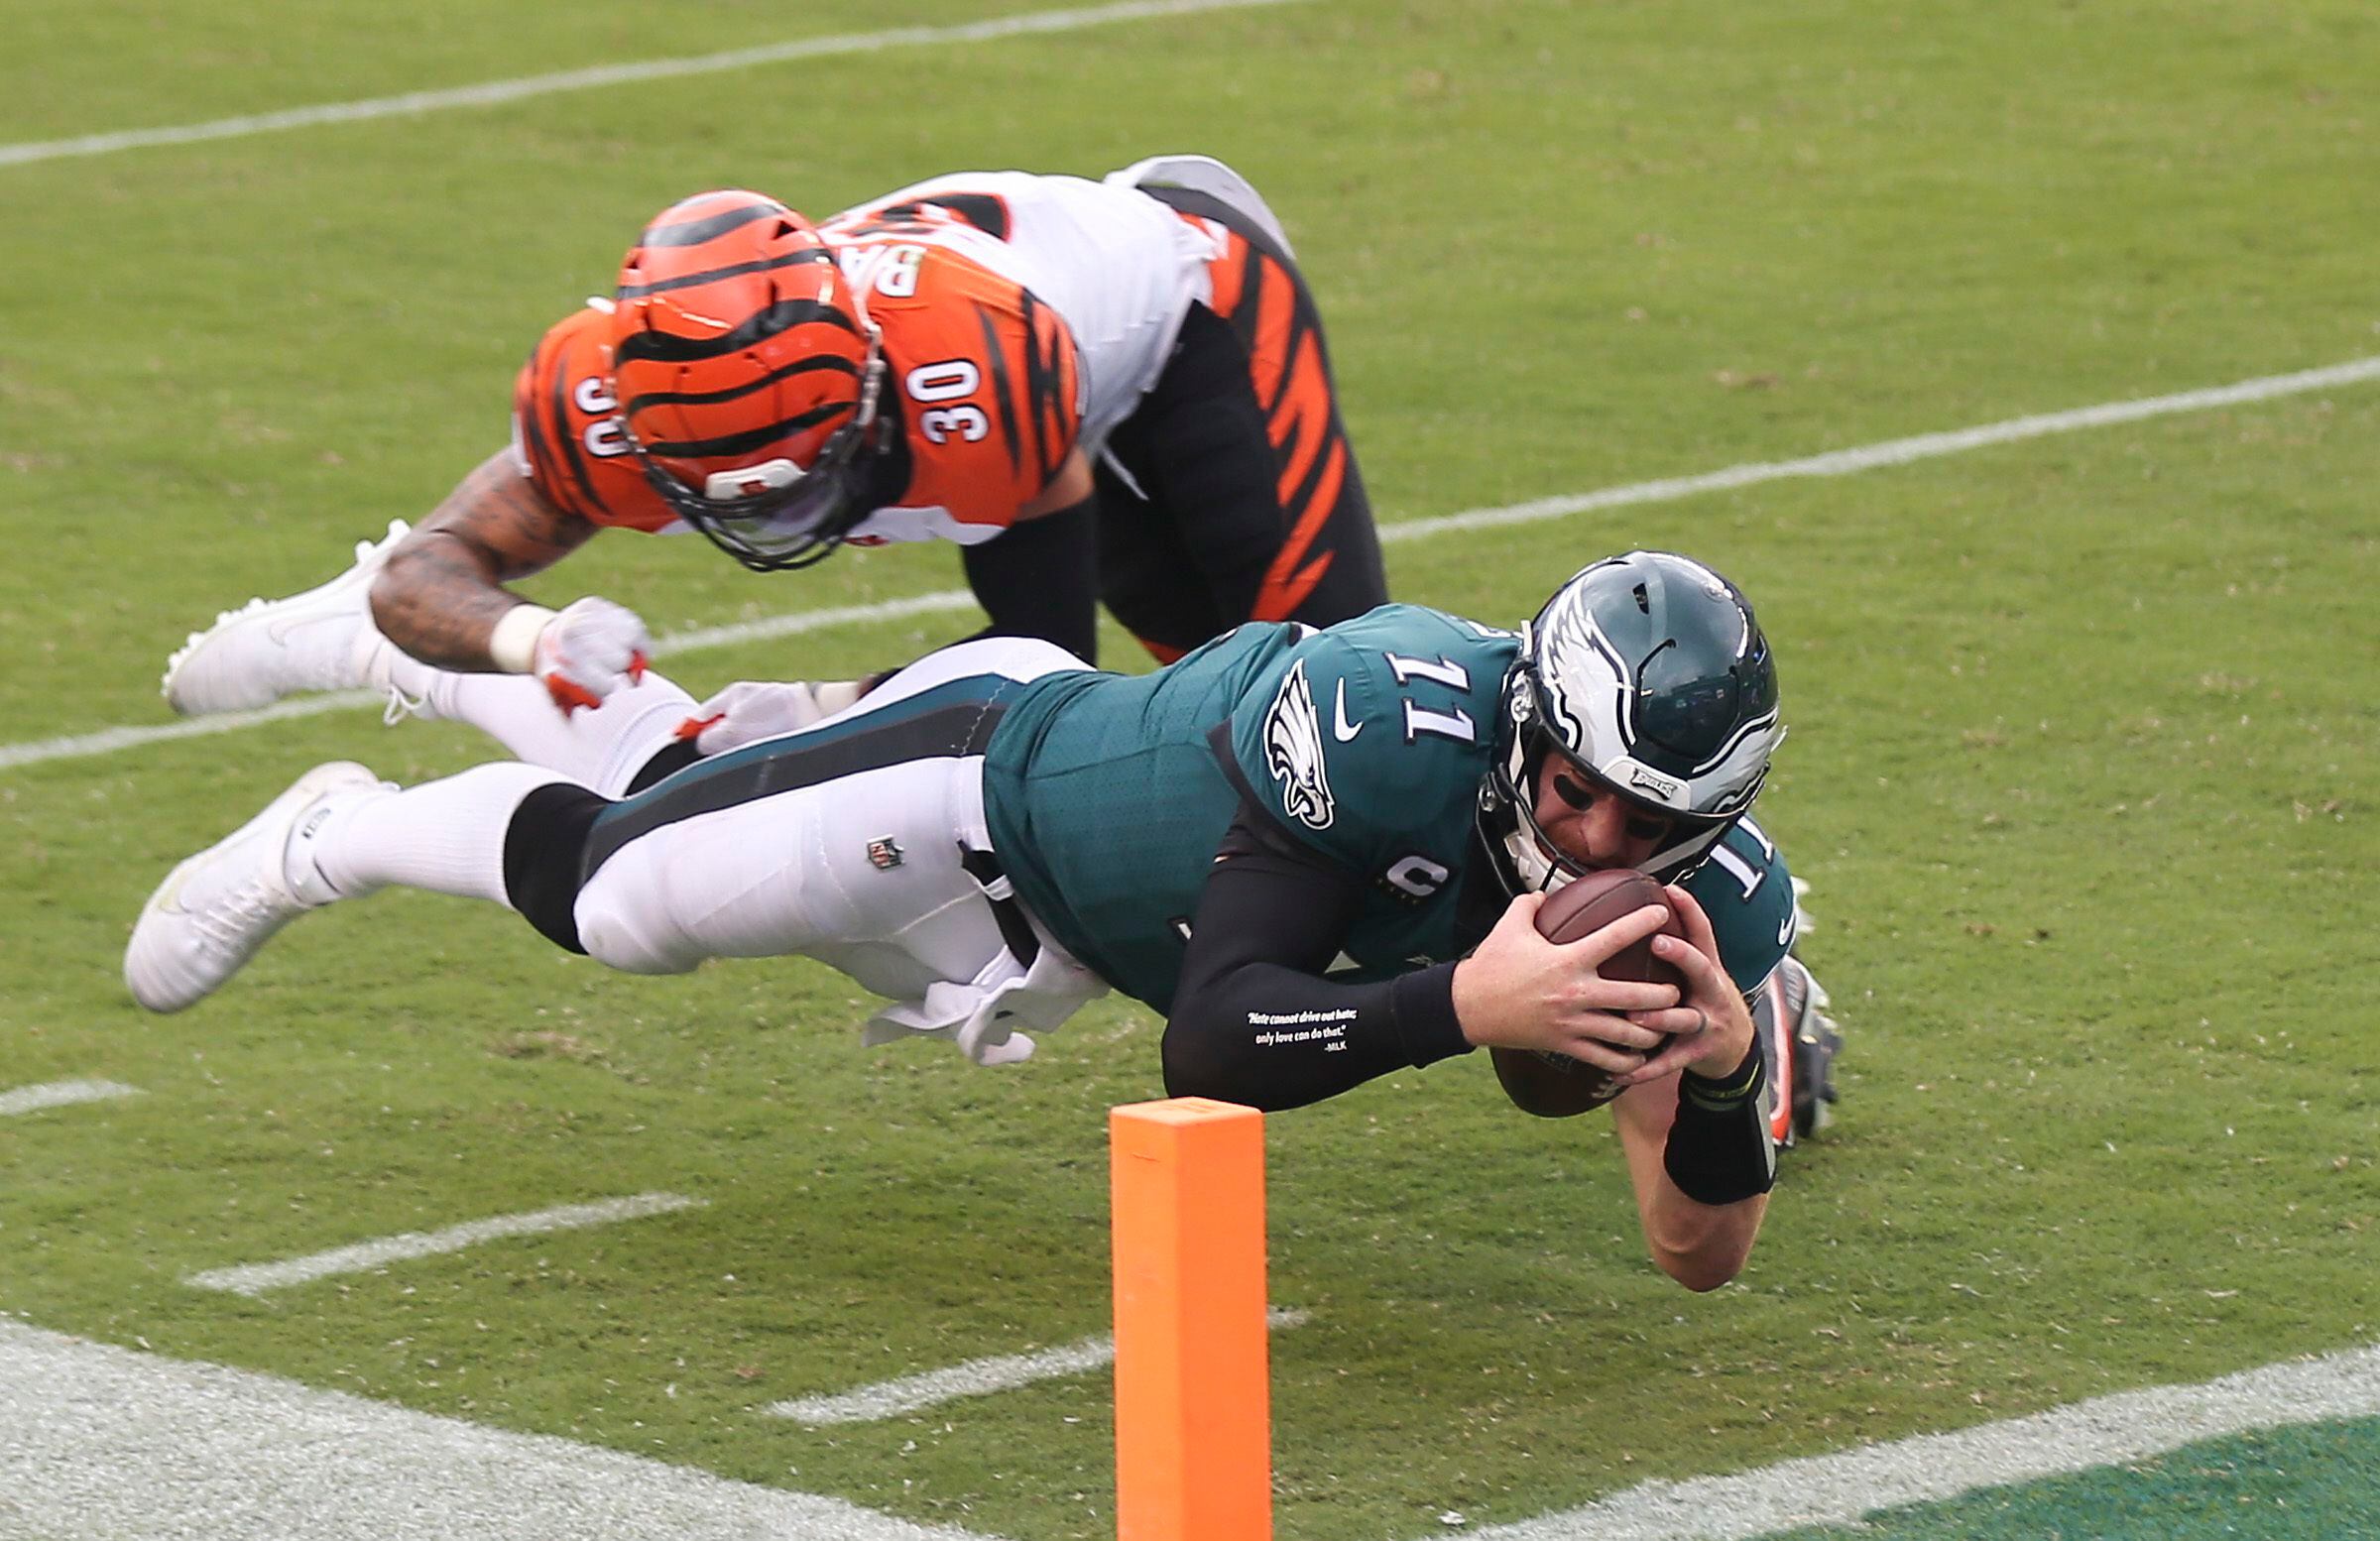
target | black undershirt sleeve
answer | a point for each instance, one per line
(1254, 1022)
(1040, 579)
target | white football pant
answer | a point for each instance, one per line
(860, 872)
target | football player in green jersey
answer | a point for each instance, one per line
(1319, 852)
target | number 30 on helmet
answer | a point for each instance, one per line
(1648, 673)
(748, 376)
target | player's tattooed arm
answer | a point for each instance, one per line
(441, 593)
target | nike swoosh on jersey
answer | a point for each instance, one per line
(1341, 728)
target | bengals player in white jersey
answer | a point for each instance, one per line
(1106, 390)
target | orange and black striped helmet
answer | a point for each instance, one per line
(748, 376)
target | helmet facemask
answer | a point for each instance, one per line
(777, 515)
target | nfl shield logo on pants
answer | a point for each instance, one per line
(885, 852)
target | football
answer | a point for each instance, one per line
(1556, 1086)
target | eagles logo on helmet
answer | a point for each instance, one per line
(749, 379)
(1650, 675)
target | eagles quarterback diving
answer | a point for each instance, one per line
(1318, 852)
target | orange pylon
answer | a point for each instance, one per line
(1193, 1402)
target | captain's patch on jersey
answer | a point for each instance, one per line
(1293, 751)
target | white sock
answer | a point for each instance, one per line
(446, 837)
(601, 746)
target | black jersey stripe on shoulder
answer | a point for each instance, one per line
(558, 403)
(1047, 405)
(987, 212)
(1251, 298)
(1002, 394)
(554, 450)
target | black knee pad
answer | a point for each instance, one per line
(544, 848)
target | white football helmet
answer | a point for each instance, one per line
(1648, 673)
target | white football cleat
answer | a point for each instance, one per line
(320, 640)
(213, 911)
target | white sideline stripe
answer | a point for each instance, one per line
(1840, 1489)
(1899, 451)
(101, 1442)
(494, 92)
(60, 1093)
(255, 1278)
(976, 1378)
(1839, 462)
(106, 1442)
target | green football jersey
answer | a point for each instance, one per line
(1108, 795)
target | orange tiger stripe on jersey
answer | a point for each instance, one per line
(567, 431)
(1225, 273)
(1301, 421)
(1301, 425)
(1282, 590)
(1245, 279)
(1268, 345)
(1257, 295)
(988, 378)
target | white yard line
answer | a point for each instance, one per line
(976, 1378)
(256, 1278)
(1838, 1489)
(105, 1444)
(492, 92)
(1839, 462)
(1903, 452)
(60, 1093)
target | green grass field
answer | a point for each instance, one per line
(2082, 761)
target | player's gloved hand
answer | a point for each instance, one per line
(587, 651)
(988, 1039)
(752, 709)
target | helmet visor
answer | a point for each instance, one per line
(1685, 708)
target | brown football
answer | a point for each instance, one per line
(1556, 1086)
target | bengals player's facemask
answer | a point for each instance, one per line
(749, 379)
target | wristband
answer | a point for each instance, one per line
(1722, 1092)
(1719, 1149)
(513, 646)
